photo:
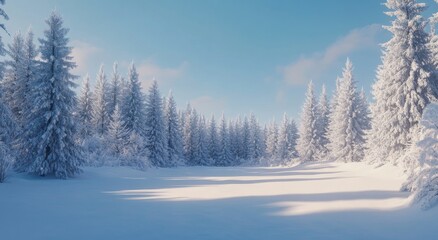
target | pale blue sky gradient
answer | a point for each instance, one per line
(222, 56)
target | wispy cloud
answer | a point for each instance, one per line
(82, 53)
(148, 70)
(208, 105)
(311, 67)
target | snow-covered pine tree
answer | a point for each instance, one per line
(117, 133)
(405, 83)
(308, 141)
(245, 139)
(272, 141)
(293, 138)
(202, 154)
(433, 42)
(51, 147)
(364, 115)
(191, 136)
(233, 138)
(423, 179)
(331, 131)
(251, 139)
(213, 141)
(114, 90)
(2, 49)
(323, 124)
(155, 134)
(174, 133)
(85, 109)
(225, 158)
(30, 65)
(7, 123)
(133, 104)
(349, 131)
(100, 107)
(8, 130)
(283, 154)
(14, 80)
(257, 145)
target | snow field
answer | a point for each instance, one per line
(311, 201)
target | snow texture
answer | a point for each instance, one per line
(310, 201)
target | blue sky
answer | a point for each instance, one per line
(225, 56)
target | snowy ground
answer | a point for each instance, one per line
(315, 201)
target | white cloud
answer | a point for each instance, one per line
(311, 67)
(148, 70)
(82, 53)
(208, 105)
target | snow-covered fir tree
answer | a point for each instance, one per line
(233, 138)
(213, 141)
(272, 140)
(364, 115)
(285, 141)
(308, 141)
(85, 109)
(348, 118)
(8, 130)
(202, 154)
(323, 123)
(332, 124)
(175, 147)
(225, 157)
(293, 139)
(8, 127)
(4, 16)
(155, 133)
(51, 148)
(405, 83)
(256, 144)
(423, 160)
(114, 90)
(191, 136)
(31, 72)
(433, 39)
(133, 104)
(14, 80)
(245, 139)
(117, 133)
(100, 107)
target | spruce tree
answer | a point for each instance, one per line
(155, 134)
(85, 109)
(323, 124)
(191, 136)
(203, 144)
(174, 133)
(256, 145)
(133, 105)
(225, 158)
(100, 107)
(245, 139)
(283, 154)
(14, 80)
(308, 141)
(51, 148)
(114, 92)
(405, 83)
(117, 133)
(7, 123)
(348, 129)
(293, 138)
(30, 74)
(213, 141)
(272, 140)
